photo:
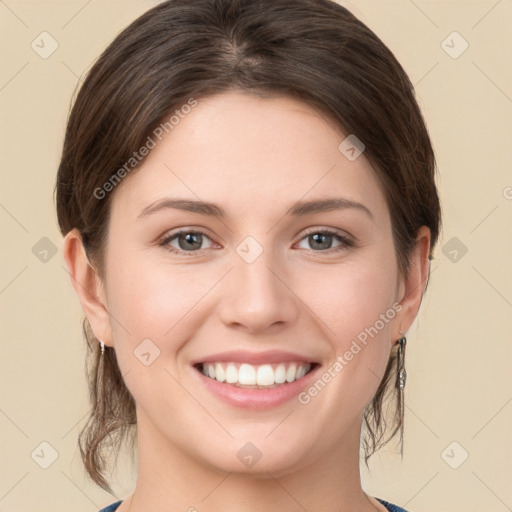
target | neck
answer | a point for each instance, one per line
(170, 479)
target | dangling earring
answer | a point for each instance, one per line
(401, 377)
(401, 373)
(100, 406)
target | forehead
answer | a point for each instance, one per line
(249, 153)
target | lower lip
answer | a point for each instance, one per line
(257, 399)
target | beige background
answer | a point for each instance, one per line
(459, 352)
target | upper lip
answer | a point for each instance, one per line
(242, 356)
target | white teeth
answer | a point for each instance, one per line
(255, 375)
(300, 373)
(280, 374)
(247, 375)
(291, 373)
(231, 374)
(265, 375)
(220, 374)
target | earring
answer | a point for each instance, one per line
(102, 345)
(400, 384)
(401, 372)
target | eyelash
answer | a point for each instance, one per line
(345, 241)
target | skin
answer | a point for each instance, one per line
(253, 157)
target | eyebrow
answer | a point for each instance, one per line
(299, 208)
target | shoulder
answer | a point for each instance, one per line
(390, 506)
(112, 507)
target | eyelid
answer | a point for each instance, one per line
(332, 231)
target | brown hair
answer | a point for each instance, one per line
(314, 50)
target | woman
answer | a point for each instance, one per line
(247, 197)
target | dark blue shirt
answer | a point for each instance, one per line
(389, 506)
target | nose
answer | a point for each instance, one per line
(259, 296)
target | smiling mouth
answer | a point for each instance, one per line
(263, 376)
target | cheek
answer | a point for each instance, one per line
(153, 298)
(351, 298)
(360, 310)
(157, 302)
(150, 298)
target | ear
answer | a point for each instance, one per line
(88, 286)
(413, 285)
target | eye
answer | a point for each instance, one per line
(321, 240)
(191, 241)
(188, 241)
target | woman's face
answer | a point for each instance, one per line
(259, 289)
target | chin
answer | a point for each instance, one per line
(258, 458)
